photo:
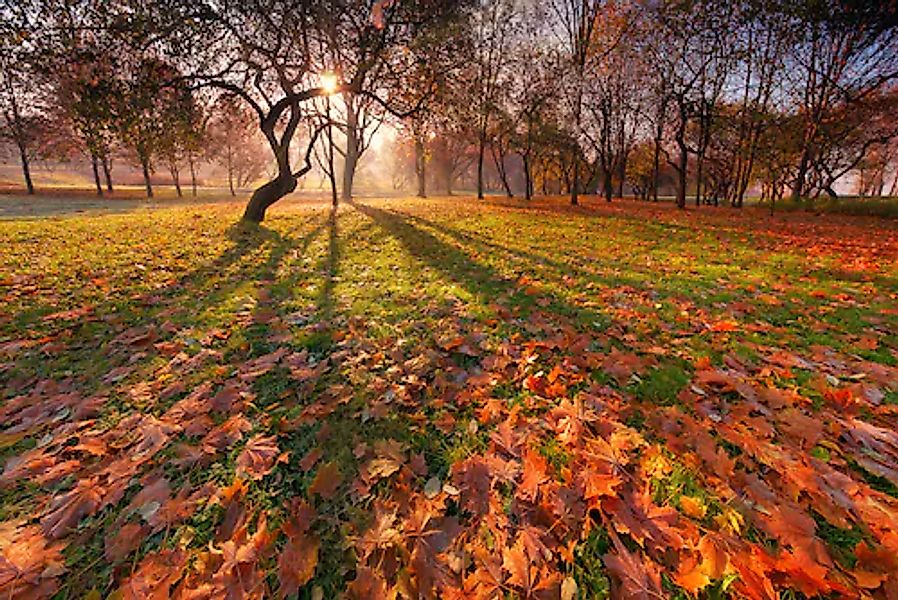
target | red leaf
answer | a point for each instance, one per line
(638, 576)
(326, 481)
(258, 457)
(297, 563)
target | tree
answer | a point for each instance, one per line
(576, 20)
(613, 102)
(151, 111)
(492, 23)
(236, 146)
(269, 53)
(847, 52)
(22, 120)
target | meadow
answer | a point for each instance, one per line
(449, 398)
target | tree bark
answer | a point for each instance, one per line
(801, 175)
(107, 173)
(26, 169)
(267, 195)
(420, 166)
(528, 177)
(176, 178)
(351, 158)
(192, 165)
(145, 166)
(96, 171)
(481, 148)
(682, 165)
(499, 160)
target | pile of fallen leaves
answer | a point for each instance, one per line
(524, 455)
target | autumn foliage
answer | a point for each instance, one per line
(451, 400)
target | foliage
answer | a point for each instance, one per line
(459, 399)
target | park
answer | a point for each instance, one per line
(408, 299)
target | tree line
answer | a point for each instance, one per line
(709, 99)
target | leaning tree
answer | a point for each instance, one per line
(271, 54)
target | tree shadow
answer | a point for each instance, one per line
(455, 265)
(255, 256)
(331, 264)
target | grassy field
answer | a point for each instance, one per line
(445, 398)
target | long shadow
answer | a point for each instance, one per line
(193, 293)
(577, 266)
(481, 280)
(326, 302)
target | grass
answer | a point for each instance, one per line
(376, 293)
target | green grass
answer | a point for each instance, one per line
(378, 290)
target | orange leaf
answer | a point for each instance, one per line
(327, 480)
(258, 457)
(297, 563)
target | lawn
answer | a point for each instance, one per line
(446, 398)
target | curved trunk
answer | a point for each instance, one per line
(267, 195)
(26, 170)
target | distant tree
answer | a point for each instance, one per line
(150, 112)
(575, 21)
(847, 53)
(22, 121)
(236, 147)
(492, 23)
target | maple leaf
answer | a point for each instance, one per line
(29, 562)
(297, 562)
(473, 477)
(258, 457)
(694, 575)
(516, 562)
(327, 480)
(67, 509)
(534, 469)
(638, 576)
(123, 541)
(368, 585)
(154, 576)
(226, 434)
(693, 507)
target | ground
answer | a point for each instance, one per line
(446, 398)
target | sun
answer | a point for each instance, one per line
(328, 83)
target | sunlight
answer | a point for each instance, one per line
(328, 83)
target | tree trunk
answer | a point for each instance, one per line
(622, 174)
(499, 160)
(801, 175)
(351, 158)
(26, 169)
(96, 171)
(481, 148)
(107, 173)
(176, 178)
(607, 184)
(231, 171)
(420, 166)
(144, 163)
(698, 179)
(192, 164)
(528, 177)
(267, 195)
(682, 165)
